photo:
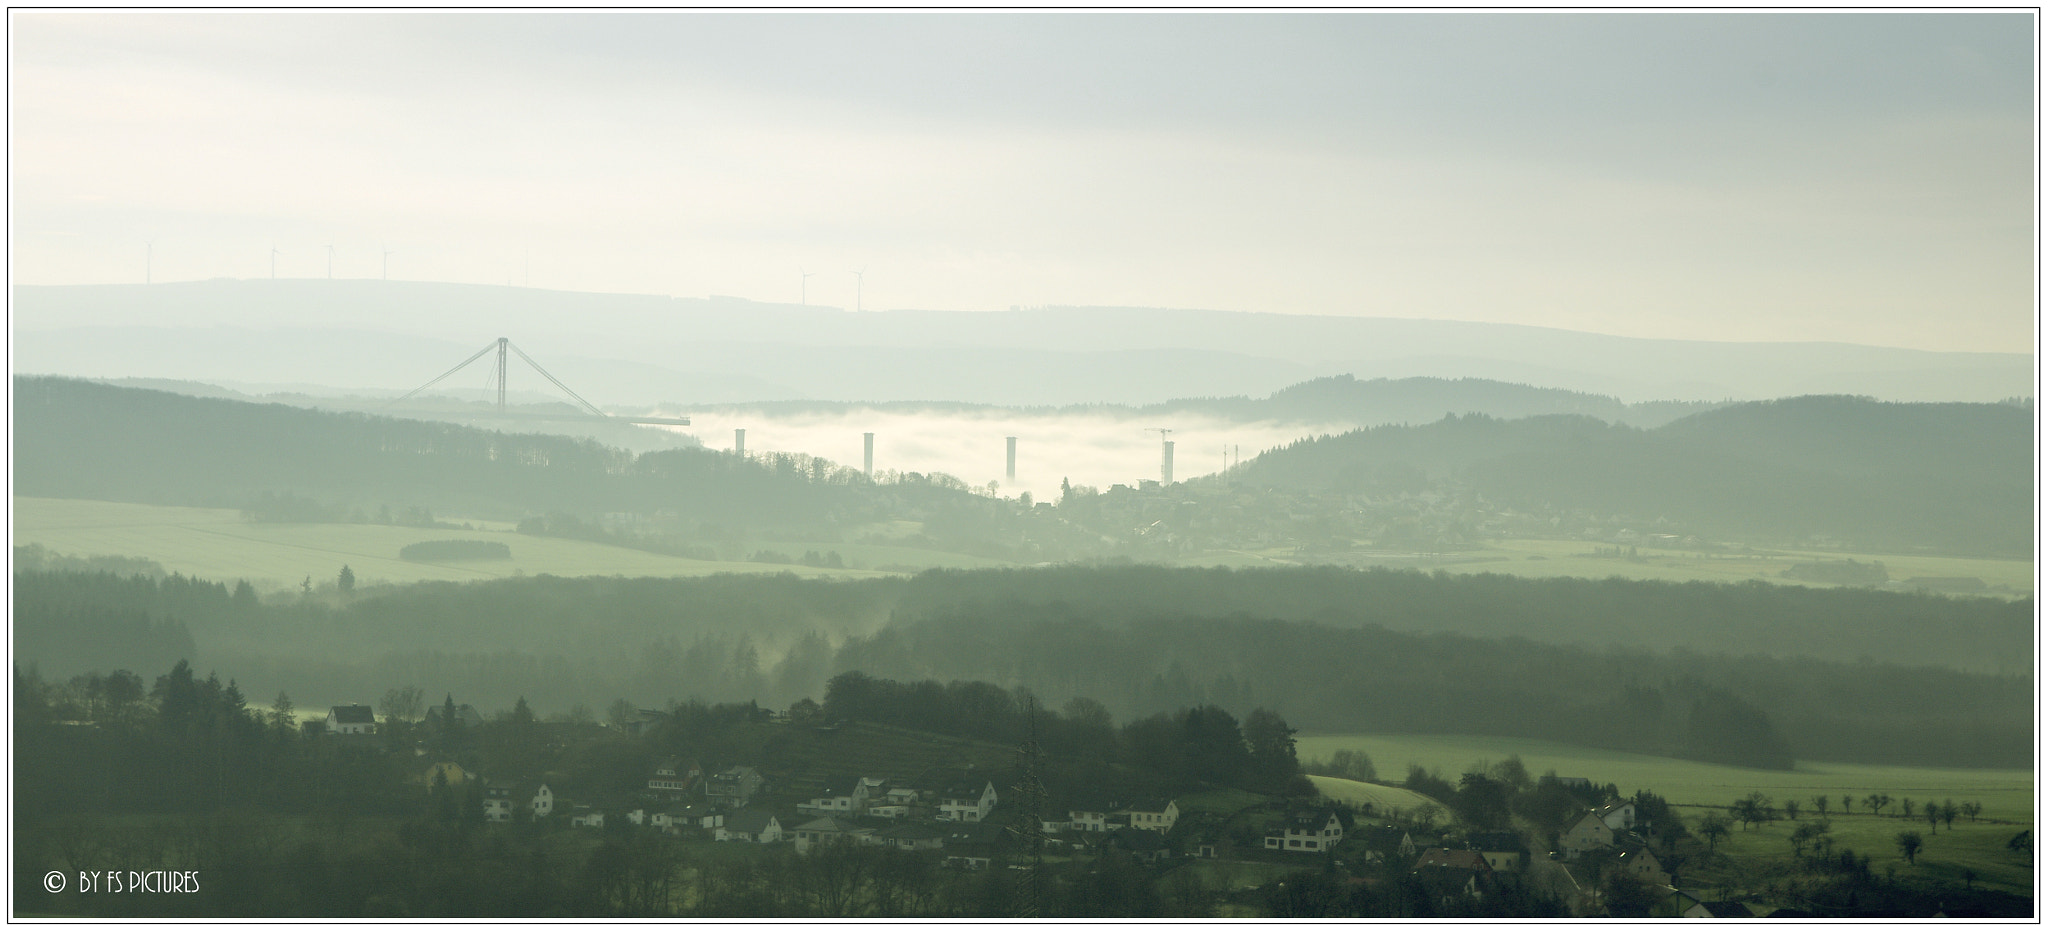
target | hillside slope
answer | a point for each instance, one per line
(1952, 477)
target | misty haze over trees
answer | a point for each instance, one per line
(1343, 464)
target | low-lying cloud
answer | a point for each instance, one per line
(1085, 449)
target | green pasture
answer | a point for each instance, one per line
(1542, 559)
(215, 543)
(1546, 558)
(1382, 798)
(2007, 795)
(1945, 854)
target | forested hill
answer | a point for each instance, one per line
(1951, 477)
(78, 439)
(1330, 650)
(1339, 399)
(1345, 399)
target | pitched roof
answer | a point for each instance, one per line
(913, 831)
(1497, 841)
(354, 715)
(1581, 820)
(1310, 820)
(1461, 860)
(749, 821)
(827, 824)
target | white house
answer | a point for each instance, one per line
(1589, 832)
(966, 804)
(1619, 816)
(1154, 815)
(842, 796)
(1308, 830)
(749, 825)
(351, 720)
(497, 804)
(1090, 816)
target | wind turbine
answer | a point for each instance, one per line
(330, 260)
(806, 292)
(859, 278)
(273, 261)
(387, 262)
(148, 260)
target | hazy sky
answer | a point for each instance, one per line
(1748, 176)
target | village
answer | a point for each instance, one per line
(977, 818)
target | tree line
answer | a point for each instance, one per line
(1140, 640)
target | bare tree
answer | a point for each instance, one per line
(403, 704)
(1713, 827)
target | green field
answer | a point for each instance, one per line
(215, 543)
(1382, 798)
(1546, 558)
(1946, 854)
(2007, 795)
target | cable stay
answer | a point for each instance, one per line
(501, 345)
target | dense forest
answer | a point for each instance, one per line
(1951, 477)
(1332, 650)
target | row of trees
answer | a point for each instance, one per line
(1202, 744)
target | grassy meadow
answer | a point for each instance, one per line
(1543, 558)
(217, 544)
(1382, 798)
(1754, 853)
(1945, 855)
(2007, 795)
